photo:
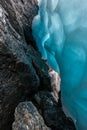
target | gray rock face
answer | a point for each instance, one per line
(20, 73)
(28, 118)
(52, 112)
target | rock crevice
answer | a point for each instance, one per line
(18, 76)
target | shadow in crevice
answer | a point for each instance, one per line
(29, 37)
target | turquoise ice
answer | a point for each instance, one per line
(60, 31)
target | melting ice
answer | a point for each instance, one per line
(60, 31)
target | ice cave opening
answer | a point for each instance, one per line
(60, 31)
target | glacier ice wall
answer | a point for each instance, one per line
(60, 31)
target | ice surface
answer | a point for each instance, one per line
(60, 31)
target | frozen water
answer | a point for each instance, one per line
(60, 31)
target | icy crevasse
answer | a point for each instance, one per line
(60, 31)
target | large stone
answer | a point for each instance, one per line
(18, 66)
(28, 118)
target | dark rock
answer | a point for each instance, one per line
(28, 118)
(41, 69)
(19, 12)
(18, 70)
(29, 37)
(52, 112)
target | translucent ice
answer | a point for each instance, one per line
(60, 31)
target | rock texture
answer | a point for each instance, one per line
(21, 74)
(28, 118)
(52, 112)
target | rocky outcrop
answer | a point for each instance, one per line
(52, 112)
(28, 118)
(21, 74)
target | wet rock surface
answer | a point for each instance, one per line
(28, 118)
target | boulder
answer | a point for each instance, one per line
(28, 118)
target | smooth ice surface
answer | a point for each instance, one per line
(60, 31)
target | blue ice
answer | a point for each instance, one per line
(60, 31)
